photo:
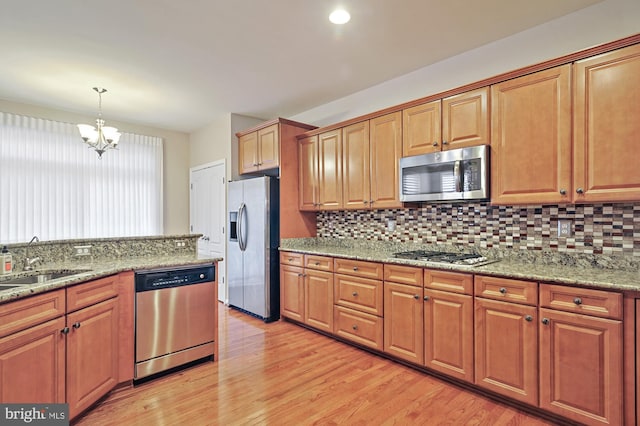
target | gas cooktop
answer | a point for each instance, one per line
(468, 259)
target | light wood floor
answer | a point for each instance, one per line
(283, 374)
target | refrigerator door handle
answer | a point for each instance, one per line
(241, 240)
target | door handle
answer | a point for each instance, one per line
(241, 240)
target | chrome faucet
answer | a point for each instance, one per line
(27, 261)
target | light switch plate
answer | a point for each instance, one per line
(565, 228)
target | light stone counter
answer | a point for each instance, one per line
(94, 269)
(551, 267)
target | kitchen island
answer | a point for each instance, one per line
(70, 338)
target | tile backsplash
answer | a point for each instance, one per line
(610, 229)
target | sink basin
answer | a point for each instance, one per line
(40, 277)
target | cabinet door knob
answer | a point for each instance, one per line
(317, 263)
(563, 192)
(365, 202)
(528, 318)
(545, 321)
(355, 327)
(577, 301)
(434, 143)
(503, 290)
(444, 142)
(65, 330)
(416, 296)
(300, 275)
(355, 268)
(76, 325)
(426, 298)
(354, 294)
(580, 191)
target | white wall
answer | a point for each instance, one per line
(217, 141)
(603, 22)
(176, 160)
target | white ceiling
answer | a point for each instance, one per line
(178, 64)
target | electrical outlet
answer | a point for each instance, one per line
(565, 228)
(82, 250)
(180, 243)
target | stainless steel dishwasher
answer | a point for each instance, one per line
(175, 317)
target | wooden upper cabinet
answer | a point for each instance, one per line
(356, 188)
(607, 128)
(259, 150)
(455, 122)
(248, 153)
(421, 129)
(308, 173)
(269, 147)
(386, 150)
(330, 170)
(531, 138)
(466, 120)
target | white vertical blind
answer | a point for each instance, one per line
(54, 186)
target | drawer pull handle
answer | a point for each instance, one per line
(426, 298)
(355, 327)
(354, 294)
(577, 301)
(65, 330)
(545, 321)
(416, 296)
(76, 325)
(317, 263)
(355, 268)
(503, 290)
(528, 318)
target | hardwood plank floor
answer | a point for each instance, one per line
(283, 374)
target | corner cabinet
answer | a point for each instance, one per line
(355, 167)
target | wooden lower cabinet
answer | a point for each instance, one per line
(92, 354)
(403, 331)
(506, 349)
(318, 299)
(448, 333)
(292, 292)
(581, 367)
(32, 365)
(359, 327)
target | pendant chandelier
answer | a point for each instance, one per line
(101, 137)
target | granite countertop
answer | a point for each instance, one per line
(534, 268)
(92, 270)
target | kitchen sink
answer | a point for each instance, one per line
(39, 277)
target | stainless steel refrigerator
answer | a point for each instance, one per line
(252, 253)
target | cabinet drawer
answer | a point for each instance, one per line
(448, 281)
(290, 258)
(358, 268)
(409, 275)
(358, 327)
(92, 292)
(30, 311)
(598, 303)
(358, 293)
(508, 290)
(323, 263)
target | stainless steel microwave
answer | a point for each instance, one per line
(457, 174)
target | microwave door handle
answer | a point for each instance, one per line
(457, 175)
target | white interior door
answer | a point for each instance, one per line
(207, 212)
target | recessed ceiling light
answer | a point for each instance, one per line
(339, 16)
